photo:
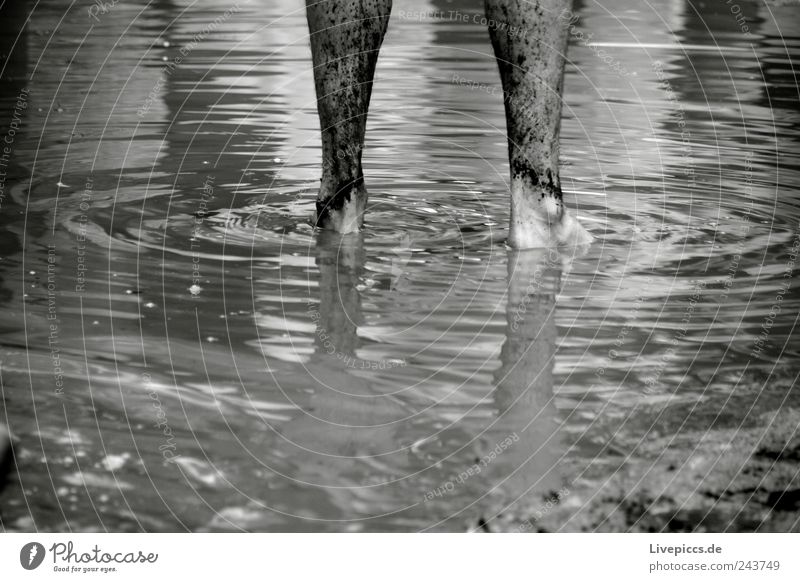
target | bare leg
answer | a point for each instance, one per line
(346, 36)
(530, 43)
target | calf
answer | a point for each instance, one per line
(529, 41)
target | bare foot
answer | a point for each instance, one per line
(543, 223)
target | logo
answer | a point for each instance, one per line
(31, 555)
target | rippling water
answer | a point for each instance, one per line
(181, 351)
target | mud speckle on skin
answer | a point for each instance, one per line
(531, 71)
(345, 40)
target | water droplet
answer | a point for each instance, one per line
(195, 289)
(277, 160)
(113, 462)
(150, 304)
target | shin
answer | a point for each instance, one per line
(346, 36)
(529, 38)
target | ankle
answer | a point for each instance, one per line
(535, 201)
(341, 203)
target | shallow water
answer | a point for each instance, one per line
(181, 351)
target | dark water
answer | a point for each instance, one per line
(180, 351)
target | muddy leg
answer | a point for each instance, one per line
(530, 43)
(346, 36)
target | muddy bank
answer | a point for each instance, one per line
(742, 477)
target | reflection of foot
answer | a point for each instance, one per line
(341, 207)
(571, 233)
(402, 254)
(534, 275)
(544, 223)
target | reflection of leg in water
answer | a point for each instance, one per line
(530, 43)
(400, 258)
(340, 260)
(345, 418)
(527, 471)
(346, 36)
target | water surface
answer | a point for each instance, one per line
(180, 351)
